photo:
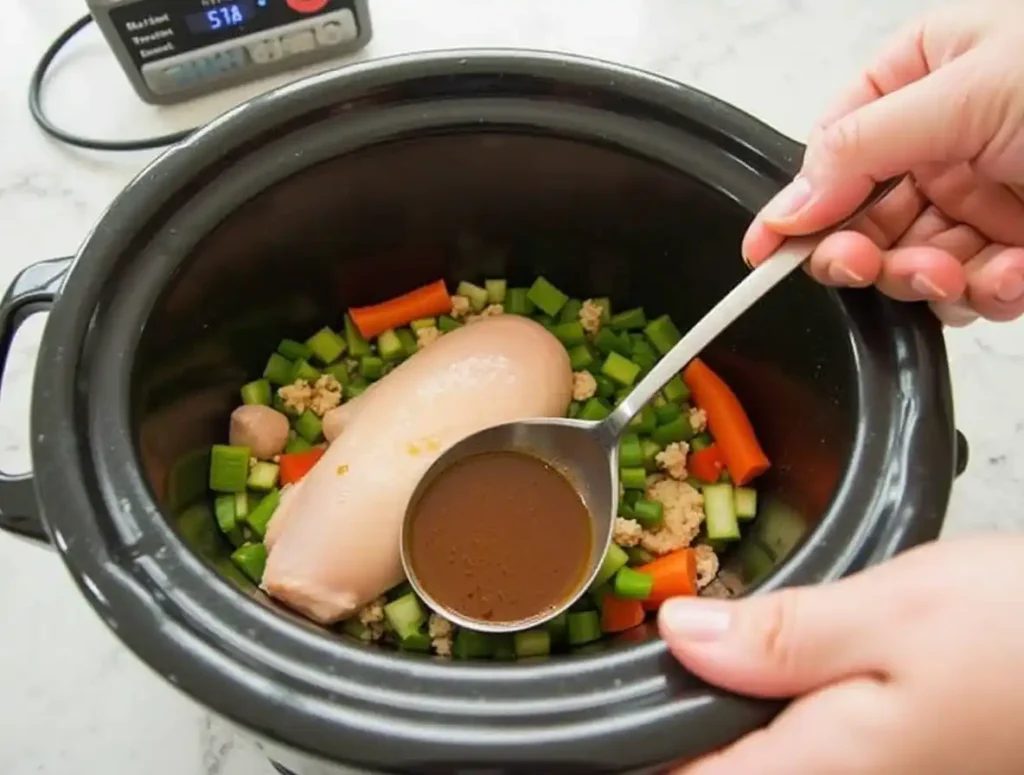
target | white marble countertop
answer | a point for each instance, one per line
(72, 699)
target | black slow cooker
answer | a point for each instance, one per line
(355, 185)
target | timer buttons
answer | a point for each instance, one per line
(307, 6)
(340, 28)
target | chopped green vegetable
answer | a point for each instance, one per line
(545, 320)
(607, 341)
(644, 361)
(399, 590)
(629, 319)
(410, 345)
(644, 421)
(620, 369)
(584, 627)
(700, 441)
(242, 504)
(339, 371)
(278, 370)
(677, 430)
(354, 389)
(532, 643)
(632, 585)
(614, 559)
(293, 350)
(225, 512)
(496, 291)
(418, 325)
(279, 405)
(633, 478)
(263, 476)
(390, 347)
(605, 387)
(405, 615)
(477, 296)
(570, 334)
(580, 357)
(229, 468)
(298, 444)
(639, 556)
(309, 427)
(357, 345)
(675, 389)
(746, 502)
(630, 453)
(304, 370)
(720, 512)
(446, 324)
(504, 647)
(546, 296)
(517, 302)
(556, 627)
(648, 513)
(595, 409)
(574, 409)
(327, 346)
(371, 367)
(260, 514)
(663, 333)
(469, 644)
(651, 449)
(251, 559)
(570, 313)
(666, 413)
(415, 641)
(357, 629)
(257, 392)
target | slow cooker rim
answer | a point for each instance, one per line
(78, 290)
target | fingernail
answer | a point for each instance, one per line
(841, 273)
(1010, 288)
(923, 285)
(789, 201)
(695, 620)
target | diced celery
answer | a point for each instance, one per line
(720, 512)
(496, 291)
(326, 345)
(477, 296)
(257, 392)
(546, 296)
(229, 468)
(263, 476)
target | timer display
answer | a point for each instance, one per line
(223, 16)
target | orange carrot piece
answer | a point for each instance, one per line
(675, 575)
(424, 302)
(707, 464)
(619, 615)
(298, 464)
(728, 422)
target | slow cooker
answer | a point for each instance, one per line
(358, 184)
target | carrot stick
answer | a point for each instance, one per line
(728, 422)
(675, 575)
(423, 302)
(707, 464)
(298, 464)
(619, 615)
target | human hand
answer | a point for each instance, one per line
(913, 666)
(945, 102)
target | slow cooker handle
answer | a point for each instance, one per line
(34, 290)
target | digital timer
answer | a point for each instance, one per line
(222, 16)
(174, 50)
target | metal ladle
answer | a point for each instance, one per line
(587, 452)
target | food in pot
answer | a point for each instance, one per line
(370, 407)
(520, 548)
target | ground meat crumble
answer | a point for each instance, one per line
(584, 385)
(672, 460)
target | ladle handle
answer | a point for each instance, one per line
(790, 255)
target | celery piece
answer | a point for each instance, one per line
(327, 346)
(546, 296)
(229, 468)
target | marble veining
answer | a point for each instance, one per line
(76, 701)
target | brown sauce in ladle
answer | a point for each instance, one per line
(500, 537)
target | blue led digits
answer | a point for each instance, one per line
(223, 16)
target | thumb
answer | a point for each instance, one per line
(783, 644)
(945, 117)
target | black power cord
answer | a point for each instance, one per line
(35, 106)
